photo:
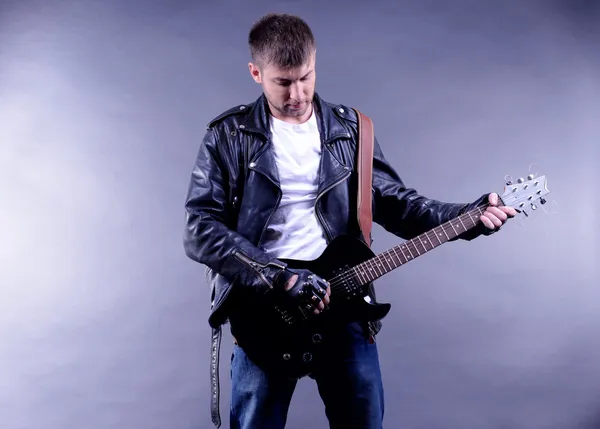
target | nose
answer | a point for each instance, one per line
(296, 91)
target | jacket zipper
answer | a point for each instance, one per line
(256, 267)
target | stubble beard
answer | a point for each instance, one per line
(293, 113)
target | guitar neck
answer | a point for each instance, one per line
(393, 258)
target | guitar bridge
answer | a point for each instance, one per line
(286, 316)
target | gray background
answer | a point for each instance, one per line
(103, 320)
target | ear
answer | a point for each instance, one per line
(255, 72)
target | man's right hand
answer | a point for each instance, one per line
(307, 291)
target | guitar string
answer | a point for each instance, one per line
(338, 282)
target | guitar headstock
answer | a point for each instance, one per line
(526, 193)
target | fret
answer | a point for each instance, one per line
(396, 252)
(366, 273)
(387, 261)
(408, 248)
(361, 273)
(444, 229)
(390, 260)
(403, 254)
(436, 235)
(396, 263)
(400, 262)
(471, 217)
(414, 243)
(399, 259)
(353, 270)
(458, 226)
(371, 269)
(433, 245)
(452, 226)
(378, 265)
(370, 265)
(426, 241)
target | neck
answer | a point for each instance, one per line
(411, 249)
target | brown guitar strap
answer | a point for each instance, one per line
(366, 143)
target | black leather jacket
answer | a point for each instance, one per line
(234, 190)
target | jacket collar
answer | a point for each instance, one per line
(330, 125)
(331, 128)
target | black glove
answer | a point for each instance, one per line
(306, 294)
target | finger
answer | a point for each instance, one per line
(493, 199)
(499, 214)
(510, 211)
(326, 300)
(494, 222)
(291, 282)
(316, 309)
(488, 222)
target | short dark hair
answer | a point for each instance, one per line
(281, 39)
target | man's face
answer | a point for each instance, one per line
(289, 92)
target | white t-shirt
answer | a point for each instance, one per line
(293, 231)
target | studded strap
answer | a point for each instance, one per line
(214, 377)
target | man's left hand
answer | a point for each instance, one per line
(494, 217)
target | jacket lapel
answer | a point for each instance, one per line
(264, 163)
(331, 129)
(331, 170)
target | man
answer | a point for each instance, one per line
(275, 179)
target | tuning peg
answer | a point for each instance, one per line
(542, 200)
(521, 211)
(533, 206)
(520, 180)
(530, 177)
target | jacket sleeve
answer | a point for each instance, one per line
(405, 213)
(207, 237)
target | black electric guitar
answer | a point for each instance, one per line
(292, 343)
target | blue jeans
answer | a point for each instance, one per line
(350, 386)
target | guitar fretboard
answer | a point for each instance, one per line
(391, 259)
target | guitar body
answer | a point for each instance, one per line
(343, 253)
(294, 348)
